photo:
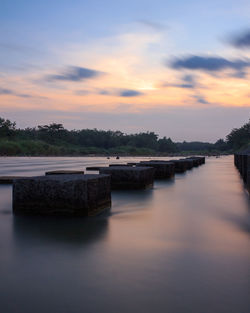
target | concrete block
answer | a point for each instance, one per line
(125, 177)
(66, 195)
(180, 165)
(162, 169)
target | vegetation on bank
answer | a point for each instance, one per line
(55, 140)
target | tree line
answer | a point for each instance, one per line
(54, 139)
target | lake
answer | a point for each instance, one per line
(183, 246)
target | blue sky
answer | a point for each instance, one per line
(131, 46)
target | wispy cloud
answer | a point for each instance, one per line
(104, 92)
(129, 93)
(185, 86)
(242, 40)
(153, 25)
(188, 82)
(17, 48)
(201, 99)
(209, 64)
(4, 91)
(74, 74)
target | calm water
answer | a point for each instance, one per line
(181, 247)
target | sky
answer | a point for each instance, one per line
(178, 68)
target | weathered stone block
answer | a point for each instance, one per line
(125, 177)
(162, 169)
(69, 195)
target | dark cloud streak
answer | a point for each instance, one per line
(153, 25)
(75, 74)
(201, 100)
(209, 64)
(129, 93)
(242, 40)
(188, 83)
(4, 91)
(184, 86)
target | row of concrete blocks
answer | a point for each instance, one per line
(132, 175)
(242, 163)
(75, 194)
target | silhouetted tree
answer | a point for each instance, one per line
(239, 136)
(7, 128)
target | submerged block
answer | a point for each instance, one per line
(67, 195)
(92, 168)
(9, 179)
(162, 169)
(118, 165)
(128, 177)
(64, 172)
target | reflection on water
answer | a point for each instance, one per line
(50, 230)
(241, 222)
(182, 246)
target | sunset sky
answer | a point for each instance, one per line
(178, 68)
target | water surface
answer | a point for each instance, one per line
(183, 246)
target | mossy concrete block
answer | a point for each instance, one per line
(128, 177)
(66, 195)
(162, 169)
